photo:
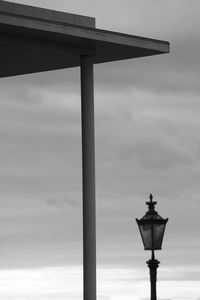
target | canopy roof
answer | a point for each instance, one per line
(35, 39)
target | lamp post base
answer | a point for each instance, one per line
(153, 264)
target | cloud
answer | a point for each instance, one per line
(113, 283)
(66, 201)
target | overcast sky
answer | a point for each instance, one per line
(147, 141)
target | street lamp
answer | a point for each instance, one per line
(152, 228)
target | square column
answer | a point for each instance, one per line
(88, 178)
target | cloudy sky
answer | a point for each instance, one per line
(147, 141)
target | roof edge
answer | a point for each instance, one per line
(33, 12)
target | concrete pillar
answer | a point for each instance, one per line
(88, 177)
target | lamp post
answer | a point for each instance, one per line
(152, 228)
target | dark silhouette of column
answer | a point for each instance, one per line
(153, 265)
(88, 175)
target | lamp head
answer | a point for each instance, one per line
(152, 227)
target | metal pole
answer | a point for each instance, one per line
(153, 265)
(88, 178)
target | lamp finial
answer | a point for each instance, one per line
(151, 204)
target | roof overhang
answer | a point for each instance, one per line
(35, 39)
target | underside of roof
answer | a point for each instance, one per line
(35, 40)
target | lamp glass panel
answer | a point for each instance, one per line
(158, 232)
(146, 233)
